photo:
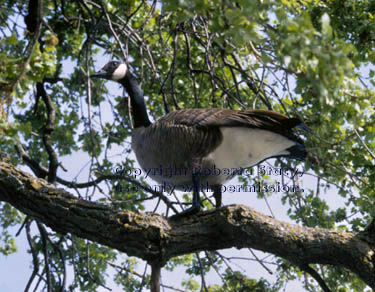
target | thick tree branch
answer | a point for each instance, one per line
(41, 171)
(157, 239)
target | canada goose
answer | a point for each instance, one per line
(195, 142)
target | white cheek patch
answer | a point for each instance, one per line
(120, 72)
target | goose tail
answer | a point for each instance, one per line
(297, 152)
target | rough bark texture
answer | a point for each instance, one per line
(156, 239)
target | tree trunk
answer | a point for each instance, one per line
(155, 277)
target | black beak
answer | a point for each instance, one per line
(100, 74)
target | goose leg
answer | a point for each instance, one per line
(196, 203)
(196, 199)
(217, 195)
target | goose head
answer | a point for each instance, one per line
(113, 70)
(117, 71)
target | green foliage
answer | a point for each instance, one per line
(127, 279)
(88, 259)
(236, 281)
(338, 279)
(9, 217)
(90, 262)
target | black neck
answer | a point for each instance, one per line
(137, 100)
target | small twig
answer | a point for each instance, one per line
(202, 273)
(34, 255)
(30, 47)
(212, 264)
(316, 276)
(190, 66)
(48, 129)
(43, 234)
(109, 21)
(23, 225)
(260, 262)
(143, 283)
(173, 69)
(364, 145)
(39, 281)
(136, 10)
(94, 279)
(121, 268)
(247, 79)
(171, 72)
(62, 258)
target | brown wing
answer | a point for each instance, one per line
(214, 117)
(180, 141)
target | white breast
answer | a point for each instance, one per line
(244, 147)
